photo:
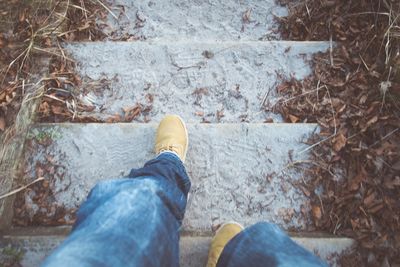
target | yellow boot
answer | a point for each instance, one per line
(172, 136)
(224, 234)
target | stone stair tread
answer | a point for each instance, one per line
(193, 249)
(241, 172)
(219, 20)
(202, 81)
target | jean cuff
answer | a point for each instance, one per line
(170, 156)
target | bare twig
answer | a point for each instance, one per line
(21, 188)
(316, 144)
(331, 50)
(303, 94)
(385, 137)
(106, 8)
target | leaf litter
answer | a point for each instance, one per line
(354, 96)
(37, 31)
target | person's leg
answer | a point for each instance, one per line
(132, 221)
(266, 245)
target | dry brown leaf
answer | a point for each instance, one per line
(2, 123)
(131, 112)
(355, 182)
(396, 166)
(369, 199)
(44, 108)
(7, 96)
(58, 110)
(305, 191)
(293, 118)
(2, 42)
(354, 223)
(339, 142)
(246, 16)
(114, 119)
(220, 114)
(372, 120)
(391, 184)
(199, 113)
(376, 208)
(316, 212)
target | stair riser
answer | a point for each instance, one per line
(193, 250)
(195, 20)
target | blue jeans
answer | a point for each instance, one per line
(135, 221)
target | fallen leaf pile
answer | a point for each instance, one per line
(67, 96)
(14, 66)
(62, 100)
(84, 22)
(35, 31)
(37, 205)
(354, 95)
(32, 31)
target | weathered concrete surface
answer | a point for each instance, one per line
(239, 171)
(193, 250)
(215, 81)
(194, 19)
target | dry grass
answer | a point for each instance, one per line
(31, 36)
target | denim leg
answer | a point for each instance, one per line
(266, 245)
(131, 221)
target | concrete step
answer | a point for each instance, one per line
(202, 81)
(242, 172)
(33, 247)
(193, 19)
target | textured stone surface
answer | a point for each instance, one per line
(194, 19)
(193, 250)
(239, 171)
(215, 82)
